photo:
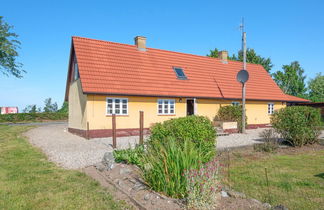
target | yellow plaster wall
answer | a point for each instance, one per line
(77, 106)
(97, 118)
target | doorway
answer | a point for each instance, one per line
(190, 107)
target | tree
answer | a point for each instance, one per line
(30, 109)
(316, 88)
(291, 80)
(8, 51)
(49, 106)
(64, 108)
(251, 57)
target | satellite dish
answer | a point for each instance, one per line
(242, 76)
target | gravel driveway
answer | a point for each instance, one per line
(239, 140)
(71, 151)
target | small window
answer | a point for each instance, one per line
(76, 72)
(118, 106)
(235, 103)
(270, 108)
(179, 72)
(166, 106)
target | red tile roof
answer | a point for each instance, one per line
(114, 68)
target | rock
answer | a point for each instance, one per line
(235, 194)
(280, 207)
(108, 160)
(266, 205)
(147, 197)
(153, 202)
(256, 201)
(123, 171)
(139, 186)
(224, 194)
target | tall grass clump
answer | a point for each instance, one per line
(165, 162)
(197, 129)
(298, 125)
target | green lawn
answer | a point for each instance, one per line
(29, 181)
(295, 180)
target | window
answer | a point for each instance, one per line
(179, 72)
(118, 106)
(166, 106)
(76, 72)
(270, 108)
(235, 103)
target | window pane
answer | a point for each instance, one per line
(109, 101)
(117, 111)
(160, 111)
(124, 111)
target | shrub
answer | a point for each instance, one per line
(231, 113)
(130, 156)
(24, 117)
(202, 186)
(164, 163)
(298, 125)
(270, 141)
(197, 129)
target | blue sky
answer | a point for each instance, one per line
(285, 31)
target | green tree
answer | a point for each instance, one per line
(316, 88)
(251, 57)
(291, 80)
(64, 108)
(30, 109)
(49, 106)
(8, 51)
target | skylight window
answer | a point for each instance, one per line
(179, 72)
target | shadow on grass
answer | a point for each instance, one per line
(321, 175)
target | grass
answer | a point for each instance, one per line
(295, 180)
(29, 181)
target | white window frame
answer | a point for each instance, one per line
(236, 103)
(169, 105)
(114, 106)
(270, 110)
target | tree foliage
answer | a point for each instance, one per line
(251, 57)
(8, 51)
(49, 106)
(30, 109)
(316, 88)
(64, 108)
(291, 80)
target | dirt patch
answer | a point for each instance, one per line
(125, 183)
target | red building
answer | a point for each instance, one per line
(9, 110)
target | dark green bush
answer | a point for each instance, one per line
(298, 125)
(231, 113)
(32, 117)
(130, 156)
(197, 129)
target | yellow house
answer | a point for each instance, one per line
(106, 78)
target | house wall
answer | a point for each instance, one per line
(77, 107)
(97, 118)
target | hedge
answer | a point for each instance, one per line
(27, 117)
(298, 125)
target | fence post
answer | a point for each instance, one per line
(114, 131)
(88, 130)
(141, 133)
(267, 181)
(228, 168)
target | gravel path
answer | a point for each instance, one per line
(239, 140)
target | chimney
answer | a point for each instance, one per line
(223, 56)
(140, 42)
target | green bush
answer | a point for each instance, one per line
(164, 163)
(27, 117)
(197, 129)
(130, 156)
(298, 125)
(270, 139)
(231, 113)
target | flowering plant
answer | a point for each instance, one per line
(203, 184)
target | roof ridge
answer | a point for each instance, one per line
(157, 49)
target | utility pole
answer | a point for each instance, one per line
(244, 68)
